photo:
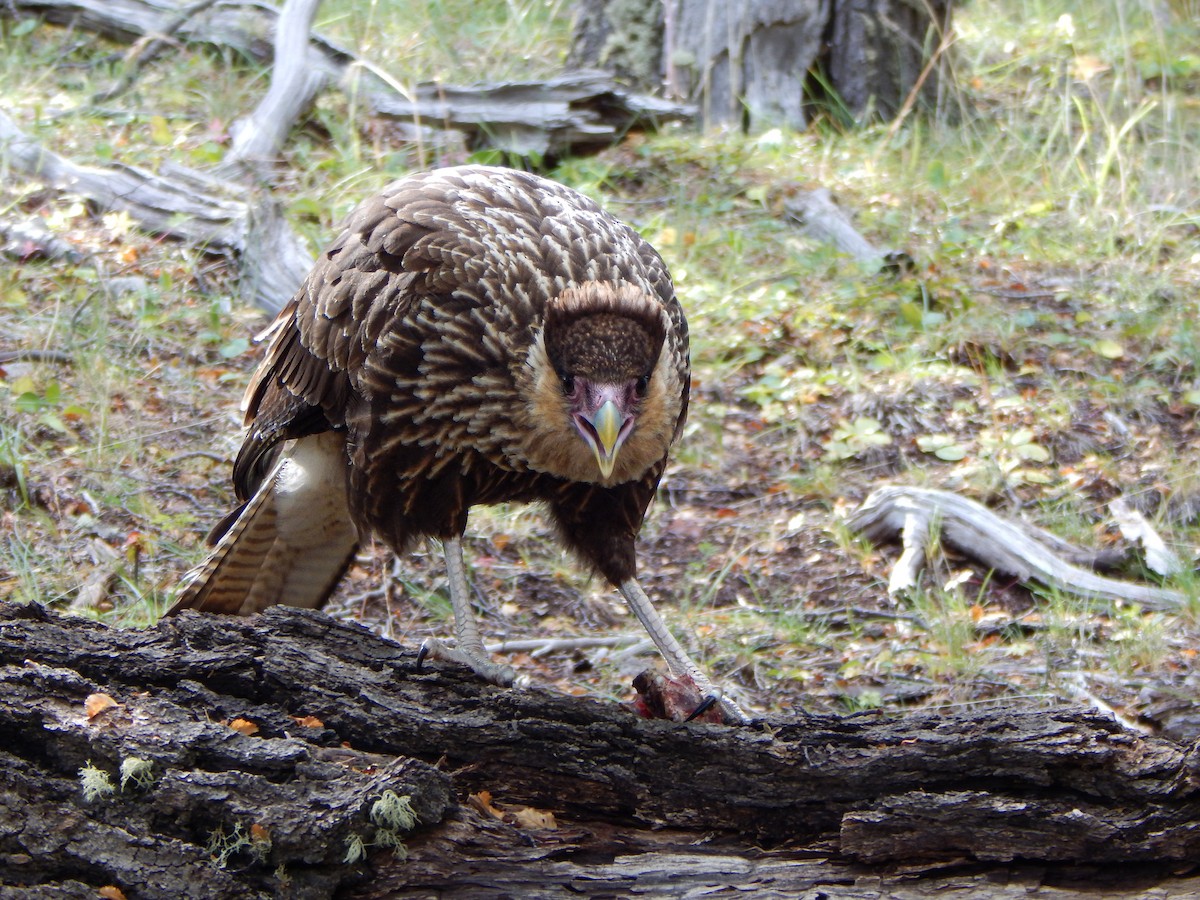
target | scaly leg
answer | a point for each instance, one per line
(677, 658)
(469, 650)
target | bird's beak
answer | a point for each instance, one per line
(608, 422)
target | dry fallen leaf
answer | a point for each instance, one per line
(528, 817)
(111, 892)
(260, 834)
(244, 726)
(483, 803)
(309, 722)
(98, 703)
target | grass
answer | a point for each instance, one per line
(1041, 354)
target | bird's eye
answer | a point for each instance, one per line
(568, 383)
(642, 385)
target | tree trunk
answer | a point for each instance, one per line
(879, 52)
(269, 743)
(757, 63)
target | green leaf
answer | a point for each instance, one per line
(943, 446)
(236, 347)
(1109, 349)
(160, 131)
(28, 402)
(1020, 436)
(912, 314)
(1033, 453)
(936, 173)
(53, 422)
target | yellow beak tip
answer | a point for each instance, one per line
(607, 422)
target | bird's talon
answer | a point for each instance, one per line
(705, 705)
(484, 668)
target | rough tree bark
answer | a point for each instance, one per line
(881, 52)
(273, 739)
(757, 63)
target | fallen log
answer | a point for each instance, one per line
(1013, 548)
(268, 744)
(183, 203)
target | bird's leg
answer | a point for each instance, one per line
(469, 650)
(677, 658)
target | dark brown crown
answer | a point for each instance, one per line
(604, 331)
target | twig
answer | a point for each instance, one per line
(146, 49)
(34, 354)
(946, 39)
(195, 454)
(538, 647)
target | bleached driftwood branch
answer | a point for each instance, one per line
(819, 215)
(294, 85)
(575, 111)
(182, 203)
(1016, 549)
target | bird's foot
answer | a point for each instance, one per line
(734, 714)
(495, 673)
(681, 698)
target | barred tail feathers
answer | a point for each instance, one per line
(291, 542)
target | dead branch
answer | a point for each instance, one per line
(576, 112)
(260, 136)
(147, 49)
(36, 354)
(820, 216)
(583, 110)
(243, 26)
(181, 203)
(28, 237)
(1013, 548)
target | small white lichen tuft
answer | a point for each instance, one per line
(393, 812)
(96, 783)
(137, 772)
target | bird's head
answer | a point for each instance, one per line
(607, 397)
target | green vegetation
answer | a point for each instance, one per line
(1041, 354)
